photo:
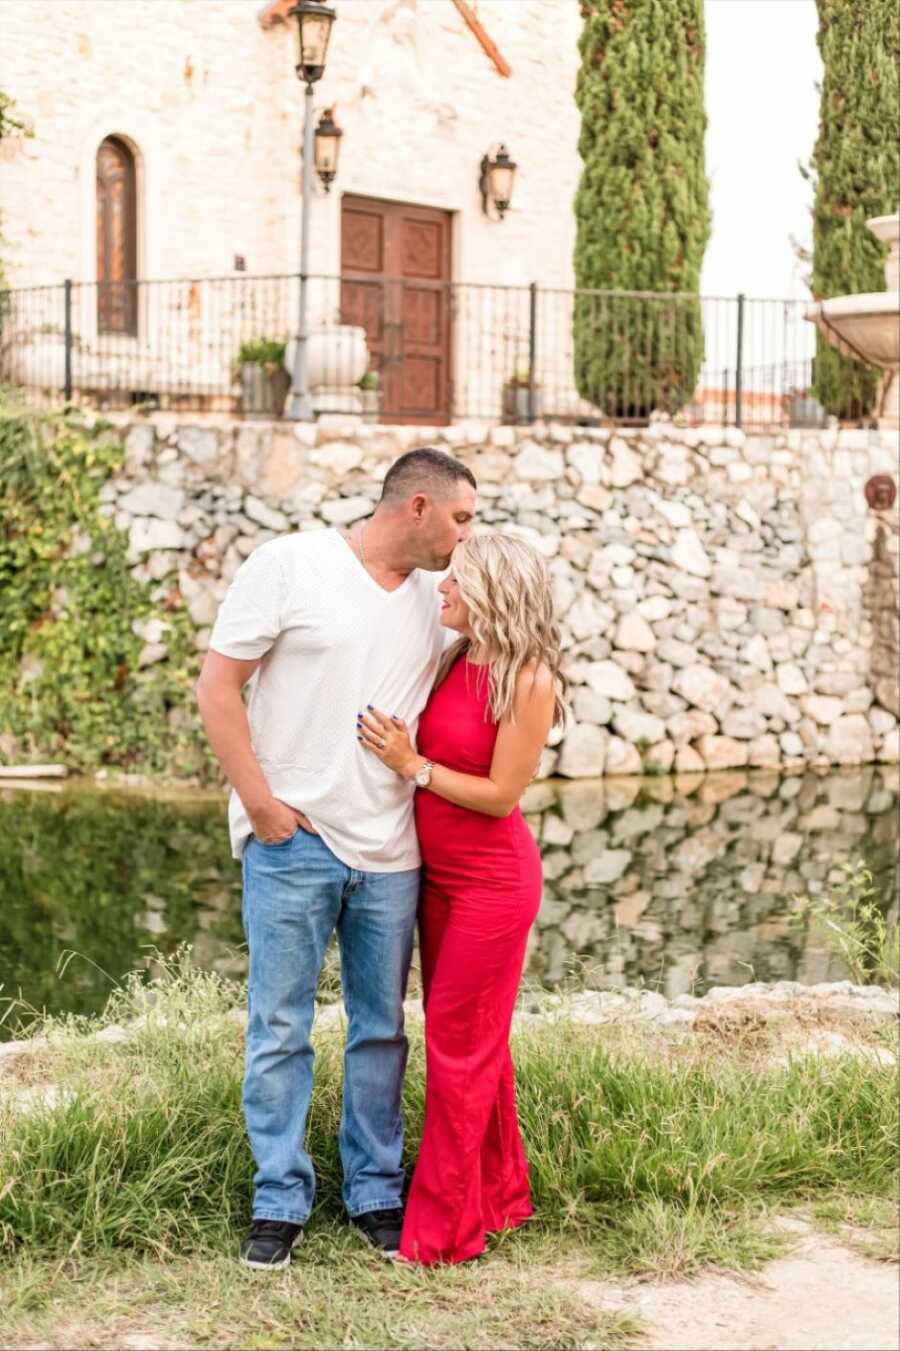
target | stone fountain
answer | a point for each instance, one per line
(869, 325)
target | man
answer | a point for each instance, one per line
(327, 622)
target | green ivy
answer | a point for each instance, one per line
(71, 688)
(11, 124)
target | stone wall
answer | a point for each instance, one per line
(718, 592)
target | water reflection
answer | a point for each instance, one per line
(676, 883)
(688, 882)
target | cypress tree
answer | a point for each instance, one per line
(856, 167)
(641, 208)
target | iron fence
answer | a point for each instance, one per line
(411, 350)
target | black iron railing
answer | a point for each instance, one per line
(409, 350)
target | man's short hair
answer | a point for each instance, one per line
(424, 471)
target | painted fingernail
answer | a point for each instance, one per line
(368, 705)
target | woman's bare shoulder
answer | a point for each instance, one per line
(535, 681)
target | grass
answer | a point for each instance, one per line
(866, 1223)
(855, 928)
(334, 1295)
(126, 1194)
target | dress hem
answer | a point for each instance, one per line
(513, 1222)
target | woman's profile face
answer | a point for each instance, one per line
(454, 610)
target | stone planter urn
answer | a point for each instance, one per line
(805, 411)
(869, 322)
(263, 390)
(371, 404)
(515, 402)
(336, 360)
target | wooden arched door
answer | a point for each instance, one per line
(117, 307)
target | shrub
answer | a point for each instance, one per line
(265, 352)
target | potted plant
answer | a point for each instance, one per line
(519, 404)
(804, 409)
(370, 388)
(264, 380)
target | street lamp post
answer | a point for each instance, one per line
(314, 22)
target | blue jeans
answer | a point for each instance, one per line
(295, 895)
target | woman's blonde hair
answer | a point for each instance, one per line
(504, 582)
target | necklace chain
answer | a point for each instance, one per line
(362, 547)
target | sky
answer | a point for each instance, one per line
(762, 67)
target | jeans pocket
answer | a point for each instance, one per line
(276, 844)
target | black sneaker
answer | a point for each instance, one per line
(381, 1228)
(268, 1244)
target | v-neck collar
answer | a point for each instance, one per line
(366, 574)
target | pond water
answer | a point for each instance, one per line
(672, 883)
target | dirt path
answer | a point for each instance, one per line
(822, 1297)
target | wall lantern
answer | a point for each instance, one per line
(328, 146)
(496, 181)
(314, 22)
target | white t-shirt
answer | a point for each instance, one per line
(332, 641)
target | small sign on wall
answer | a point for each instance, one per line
(881, 492)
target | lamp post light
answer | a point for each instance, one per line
(328, 146)
(314, 22)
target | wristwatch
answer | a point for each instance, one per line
(423, 775)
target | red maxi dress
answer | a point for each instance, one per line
(481, 892)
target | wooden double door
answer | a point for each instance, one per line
(395, 283)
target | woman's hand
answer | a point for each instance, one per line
(388, 739)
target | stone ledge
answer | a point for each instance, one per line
(777, 1023)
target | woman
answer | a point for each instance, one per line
(498, 692)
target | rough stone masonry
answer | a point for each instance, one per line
(726, 600)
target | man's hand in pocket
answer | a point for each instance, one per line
(274, 822)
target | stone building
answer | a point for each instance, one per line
(166, 146)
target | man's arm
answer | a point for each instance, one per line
(225, 719)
